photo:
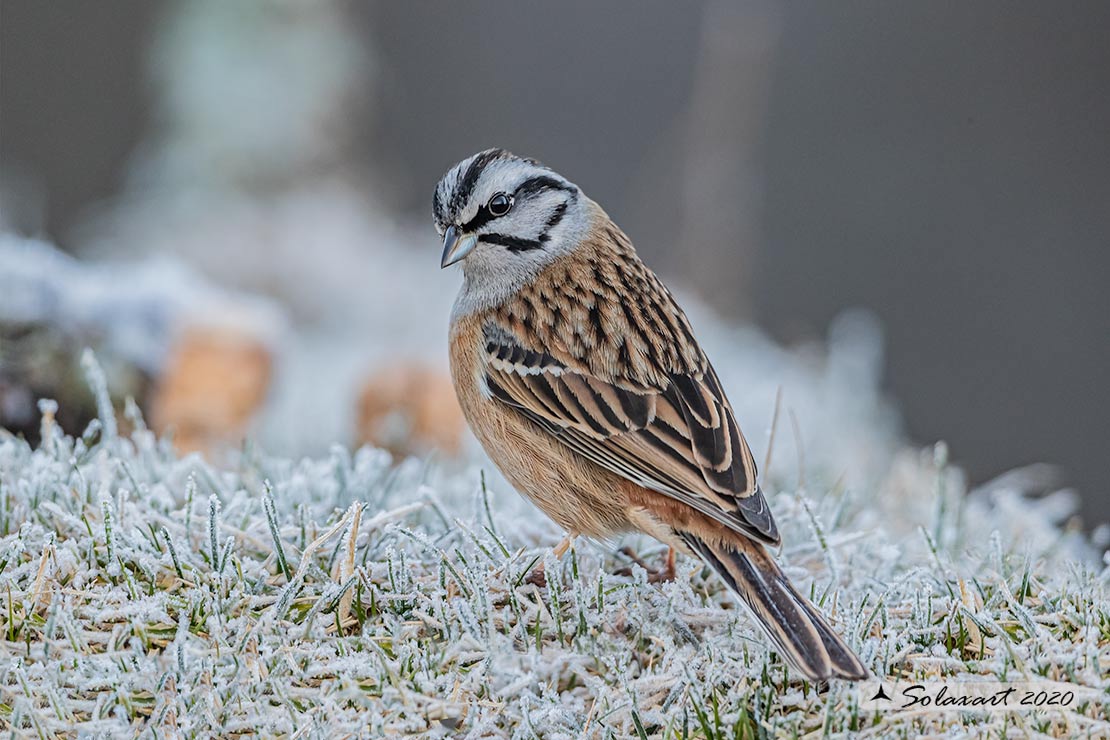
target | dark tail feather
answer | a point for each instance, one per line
(794, 624)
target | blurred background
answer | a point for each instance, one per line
(248, 184)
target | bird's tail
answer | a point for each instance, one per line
(794, 624)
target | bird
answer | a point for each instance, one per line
(580, 376)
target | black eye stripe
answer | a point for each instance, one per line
(527, 189)
(539, 184)
(481, 218)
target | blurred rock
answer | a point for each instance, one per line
(42, 360)
(212, 384)
(193, 356)
(410, 409)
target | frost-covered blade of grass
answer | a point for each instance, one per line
(140, 591)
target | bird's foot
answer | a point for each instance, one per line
(537, 577)
(655, 575)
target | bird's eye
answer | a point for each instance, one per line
(499, 204)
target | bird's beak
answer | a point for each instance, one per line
(456, 246)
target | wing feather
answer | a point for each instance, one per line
(678, 438)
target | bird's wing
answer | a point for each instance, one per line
(674, 434)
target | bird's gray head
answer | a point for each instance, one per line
(505, 218)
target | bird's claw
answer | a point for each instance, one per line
(655, 575)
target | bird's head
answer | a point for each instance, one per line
(506, 217)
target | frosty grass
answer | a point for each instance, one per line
(145, 594)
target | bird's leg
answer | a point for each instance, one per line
(561, 549)
(537, 576)
(666, 573)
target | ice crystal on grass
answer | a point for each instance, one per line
(146, 592)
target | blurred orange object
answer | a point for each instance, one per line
(213, 382)
(410, 409)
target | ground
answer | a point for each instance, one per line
(150, 594)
